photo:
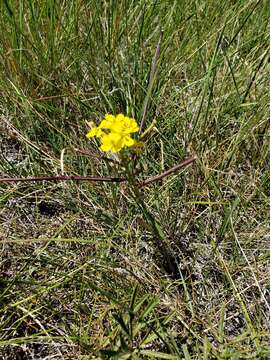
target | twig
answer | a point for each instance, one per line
(168, 172)
(63, 178)
(150, 180)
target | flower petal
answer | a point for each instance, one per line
(94, 132)
(111, 142)
(128, 141)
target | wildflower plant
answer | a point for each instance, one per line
(115, 134)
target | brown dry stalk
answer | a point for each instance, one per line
(63, 178)
(148, 181)
(168, 172)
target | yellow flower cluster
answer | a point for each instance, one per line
(114, 132)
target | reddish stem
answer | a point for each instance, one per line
(168, 172)
(150, 180)
(63, 178)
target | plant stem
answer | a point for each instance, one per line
(159, 236)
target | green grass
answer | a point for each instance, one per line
(80, 275)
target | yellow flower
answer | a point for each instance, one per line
(120, 124)
(114, 132)
(115, 142)
(96, 131)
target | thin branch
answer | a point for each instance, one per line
(168, 172)
(150, 180)
(63, 178)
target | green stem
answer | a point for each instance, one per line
(159, 237)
